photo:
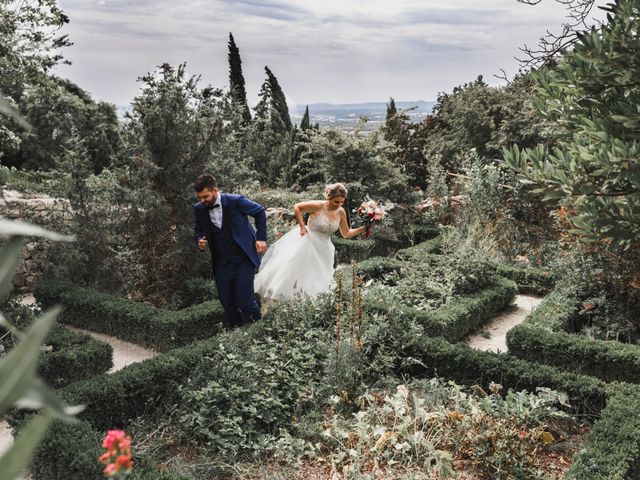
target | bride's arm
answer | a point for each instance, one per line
(347, 232)
(310, 207)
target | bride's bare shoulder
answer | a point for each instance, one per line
(310, 206)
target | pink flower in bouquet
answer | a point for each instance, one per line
(368, 213)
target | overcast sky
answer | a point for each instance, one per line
(338, 51)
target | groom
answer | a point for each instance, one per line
(222, 224)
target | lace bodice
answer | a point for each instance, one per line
(320, 222)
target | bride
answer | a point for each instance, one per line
(302, 260)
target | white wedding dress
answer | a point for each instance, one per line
(296, 264)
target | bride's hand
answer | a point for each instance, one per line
(303, 231)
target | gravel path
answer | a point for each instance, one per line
(124, 353)
(497, 329)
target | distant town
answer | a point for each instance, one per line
(348, 116)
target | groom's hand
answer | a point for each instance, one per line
(202, 243)
(261, 246)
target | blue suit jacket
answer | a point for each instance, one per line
(235, 208)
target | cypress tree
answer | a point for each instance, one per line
(278, 100)
(236, 79)
(391, 109)
(305, 123)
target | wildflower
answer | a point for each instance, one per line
(117, 456)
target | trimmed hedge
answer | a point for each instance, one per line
(433, 246)
(377, 267)
(608, 360)
(141, 388)
(534, 281)
(349, 249)
(612, 449)
(131, 321)
(436, 356)
(70, 451)
(75, 357)
(463, 315)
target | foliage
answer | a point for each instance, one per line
(247, 388)
(497, 217)
(29, 33)
(270, 138)
(236, 79)
(608, 360)
(611, 450)
(65, 357)
(481, 118)
(463, 365)
(600, 289)
(21, 387)
(411, 432)
(591, 101)
(144, 324)
(530, 280)
(59, 110)
(359, 161)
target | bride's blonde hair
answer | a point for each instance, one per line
(335, 190)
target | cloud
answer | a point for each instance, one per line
(332, 50)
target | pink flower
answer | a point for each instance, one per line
(113, 439)
(377, 217)
(124, 461)
(117, 456)
(110, 470)
(369, 213)
(359, 210)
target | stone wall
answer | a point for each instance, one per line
(34, 209)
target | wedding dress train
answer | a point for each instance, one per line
(299, 264)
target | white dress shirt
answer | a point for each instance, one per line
(215, 214)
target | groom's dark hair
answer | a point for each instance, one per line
(205, 181)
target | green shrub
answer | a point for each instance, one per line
(68, 451)
(612, 449)
(194, 291)
(461, 316)
(608, 360)
(379, 268)
(145, 387)
(74, 357)
(135, 322)
(71, 451)
(530, 280)
(66, 357)
(352, 249)
(437, 357)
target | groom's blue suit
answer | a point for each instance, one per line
(234, 257)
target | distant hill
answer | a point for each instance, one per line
(346, 115)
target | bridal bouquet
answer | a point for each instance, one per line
(369, 213)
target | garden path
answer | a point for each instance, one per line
(493, 337)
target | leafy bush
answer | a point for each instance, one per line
(66, 356)
(612, 449)
(71, 452)
(424, 425)
(251, 385)
(608, 360)
(132, 321)
(530, 280)
(193, 292)
(436, 356)
(350, 249)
